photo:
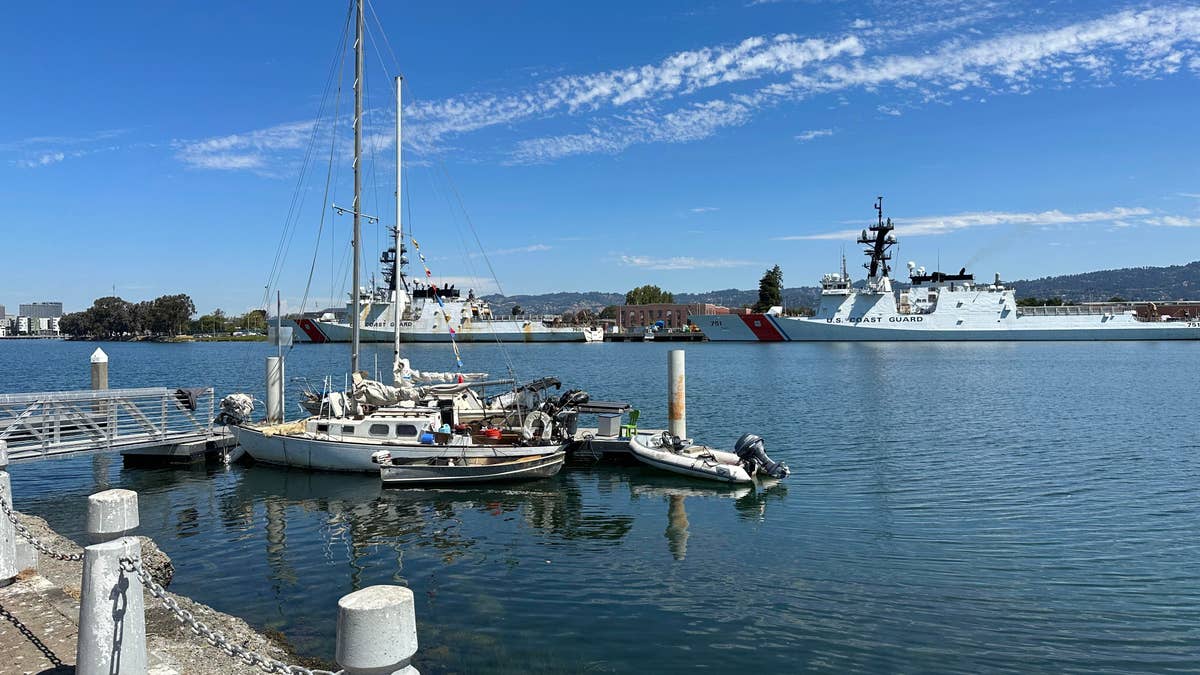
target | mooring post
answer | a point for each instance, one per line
(112, 618)
(377, 631)
(8, 536)
(676, 394)
(99, 369)
(274, 389)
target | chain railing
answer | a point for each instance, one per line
(26, 534)
(214, 638)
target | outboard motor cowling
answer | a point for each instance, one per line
(749, 448)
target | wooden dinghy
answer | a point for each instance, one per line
(448, 469)
(669, 453)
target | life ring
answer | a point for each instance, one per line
(532, 420)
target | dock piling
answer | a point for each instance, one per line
(8, 536)
(274, 389)
(377, 631)
(99, 369)
(676, 394)
(112, 619)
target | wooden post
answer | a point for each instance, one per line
(99, 369)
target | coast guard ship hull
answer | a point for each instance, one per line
(940, 306)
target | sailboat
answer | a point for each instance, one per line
(422, 415)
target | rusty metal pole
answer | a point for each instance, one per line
(676, 394)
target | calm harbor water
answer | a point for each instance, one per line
(952, 507)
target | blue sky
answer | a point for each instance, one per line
(157, 147)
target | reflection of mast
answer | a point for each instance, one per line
(677, 527)
(276, 510)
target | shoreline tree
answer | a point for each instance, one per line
(648, 295)
(770, 290)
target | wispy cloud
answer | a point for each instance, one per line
(43, 160)
(532, 248)
(704, 209)
(695, 94)
(249, 150)
(934, 225)
(681, 262)
(1135, 44)
(805, 136)
(1173, 221)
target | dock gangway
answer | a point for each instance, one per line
(47, 424)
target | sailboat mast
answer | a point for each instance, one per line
(397, 282)
(358, 94)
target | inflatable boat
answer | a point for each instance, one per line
(670, 453)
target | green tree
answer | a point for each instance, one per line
(609, 312)
(74, 324)
(1117, 298)
(648, 295)
(171, 314)
(770, 290)
(517, 311)
(110, 317)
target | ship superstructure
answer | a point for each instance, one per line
(943, 306)
(428, 314)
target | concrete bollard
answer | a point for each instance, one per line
(99, 369)
(112, 618)
(8, 536)
(274, 389)
(676, 394)
(377, 631)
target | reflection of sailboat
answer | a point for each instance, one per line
(408, 421)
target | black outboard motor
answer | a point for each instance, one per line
(749, 449)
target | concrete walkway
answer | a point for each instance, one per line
(39, 617)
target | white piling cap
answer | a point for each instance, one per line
(3, 454)
(99, 356)
(112, 514)
(376, 630)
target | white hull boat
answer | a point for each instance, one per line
(669, 453)
(330, 455)
(453, 470)
(939, 306)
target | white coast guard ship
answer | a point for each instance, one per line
(940, 306)
(425, 319)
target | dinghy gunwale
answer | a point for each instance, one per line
(691, 465)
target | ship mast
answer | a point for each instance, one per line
(398, 292)
(880, 240)
(358, 89)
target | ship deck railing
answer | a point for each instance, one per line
(1090, 309)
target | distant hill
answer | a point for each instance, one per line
(1176, 282)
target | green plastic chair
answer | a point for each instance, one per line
(628, 430)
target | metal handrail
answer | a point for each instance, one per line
(53, 423)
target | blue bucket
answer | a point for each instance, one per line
(427, 438)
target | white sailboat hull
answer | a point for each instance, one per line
(341, 455)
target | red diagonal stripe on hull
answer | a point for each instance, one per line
(762, 327)
(310, 329)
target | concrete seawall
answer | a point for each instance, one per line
(39, 619)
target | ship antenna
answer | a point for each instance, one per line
(845, 274)
(879, 209)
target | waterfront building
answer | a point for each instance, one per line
(673, 315)
(41, 310)
(2, 317)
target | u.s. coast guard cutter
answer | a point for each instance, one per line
(940, 306)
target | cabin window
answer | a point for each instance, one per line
(406, 430)
(379, 430)
(323, 428)
(348, 430)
